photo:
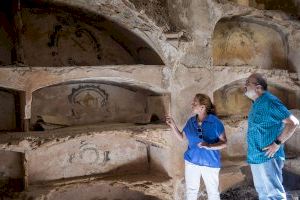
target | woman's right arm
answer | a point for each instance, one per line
(175, 130)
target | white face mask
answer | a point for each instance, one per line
(250, 94)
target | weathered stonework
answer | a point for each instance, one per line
(133, 61)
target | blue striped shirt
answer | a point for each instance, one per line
(264, 126)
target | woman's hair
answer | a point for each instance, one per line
(203, 99)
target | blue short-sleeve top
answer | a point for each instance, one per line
(212, 128)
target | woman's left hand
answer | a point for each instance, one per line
(204, 145)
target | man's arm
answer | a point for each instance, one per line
(291, 124)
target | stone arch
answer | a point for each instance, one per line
(74, 37)
(245, 41)
(231, 102)
(56, 33)
(80, 102)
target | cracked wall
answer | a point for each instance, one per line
(190, 39)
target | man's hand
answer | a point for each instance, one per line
(203, 145)
(271, 150)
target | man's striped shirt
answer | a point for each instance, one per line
(264, 126)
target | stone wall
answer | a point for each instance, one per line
(95, 150)
(11, 172)
(290, 7)
(204, 46)
(6, 44)
(87, 156)
(11, 165)
(231, 101)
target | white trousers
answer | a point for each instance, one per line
(210, 177)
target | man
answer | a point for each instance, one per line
(270, 124)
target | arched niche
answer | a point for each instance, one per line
(11, 111)
(231, 101)
(94, 102)
(55, 35)
(243, 41)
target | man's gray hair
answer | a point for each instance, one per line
(260, 80)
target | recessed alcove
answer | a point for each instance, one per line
(38, 33)
(10, 106)
(55, 37)
(11, 173)
(241, 41)
(98, 78)
(75, 154)
(83, 103)
(230, 100)
(114, 128)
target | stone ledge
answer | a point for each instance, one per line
(25, 141)
(152, 184)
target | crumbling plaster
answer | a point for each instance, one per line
(32, 79)
(88, 150)
(187, 53)
(188, 64)
(184, 82)
(195, 52)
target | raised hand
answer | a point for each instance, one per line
(170, 121)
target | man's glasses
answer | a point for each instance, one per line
(248, 83)
(200, 132)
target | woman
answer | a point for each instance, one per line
(206, 136)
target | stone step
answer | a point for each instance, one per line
(149, 186)
(231, 175)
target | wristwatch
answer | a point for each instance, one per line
(278, 142)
